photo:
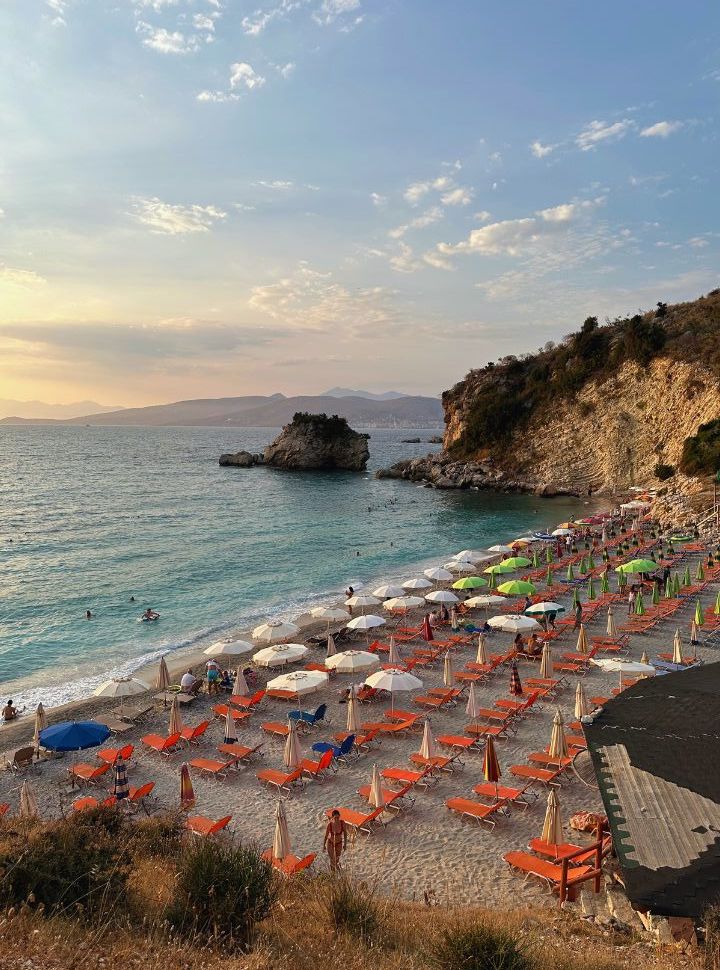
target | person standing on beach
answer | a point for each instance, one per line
(335, 841)
(631, 600)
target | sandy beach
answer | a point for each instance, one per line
(425, 849)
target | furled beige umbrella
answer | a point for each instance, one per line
(552, 831)
(677, 657)
(230, 729)
(175, 725)
(582, 641)
(292, 755)
(281, 841)
(482, 657)
(427, 748)
(376, 796)
(447, 670)
(331, 651)
(40, 724)
(393, 653)
(582, 705)
(240, 687)
(558, 749)
(611, 628)
(353, 725)
(162, 681)
(28, 801)
(472, 708)
(644, 659)
(546, 663)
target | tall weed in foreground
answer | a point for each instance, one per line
(354, 908)
(478, 946)
(712, 938)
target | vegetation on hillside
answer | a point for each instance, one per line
(701, 452)
(500, 398)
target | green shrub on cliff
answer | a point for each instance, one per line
(701, 452)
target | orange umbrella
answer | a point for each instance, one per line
(187, 795)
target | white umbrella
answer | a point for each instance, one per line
(175, 724)
(543, 608)
(388, 591)
(292, 754)
(330, 647)
(376, 797)
(460, 566)
(281, 841)
(366, 623)
(611, 629)
(500, 548)
(513, 624)
(393, 681)
(300, 681)
(485, 599)
(427, 748)
(403, 602)
(121, 687)
(558, 742)
(482, 657)
(281, 653)
(419, 582)
(230, 730)
(351, 661)
(329, 613)
(624, 666)
(552, 832)
(393, 653)
(274, 630)
(362, 599)
(229, 648)
(447, 671)
(40, 724)
(562, 532)
(162, 681)
(28, 801)
(352, 725)
(469, 555)
(240, 687)
(438, 574)
(677, 657)
(546, 663)
(582, 705)
(472, 709)
(441, 596)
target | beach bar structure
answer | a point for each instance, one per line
(655, 749)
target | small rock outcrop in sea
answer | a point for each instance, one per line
(239, 459)
(315, 441)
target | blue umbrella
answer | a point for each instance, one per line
(121, 789)
(74, 736)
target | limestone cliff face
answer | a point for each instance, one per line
(611, 435)
(314, 441)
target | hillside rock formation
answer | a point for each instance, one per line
(315, 441)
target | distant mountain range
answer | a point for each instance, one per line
(39, 409)
(361, 409)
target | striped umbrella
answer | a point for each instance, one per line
(482, 657)
(582, 705)
(491, 765)
(427, 748)
(187, 795)
(472, 708)
(240, 687)
(447, 670)
(352, 725)
(40, 724)
(558, 742)
(28, 801)
(281, 841)
(394, 656)
(546, 667)
(611, 628)
(330, 646)
(292, 755)
(175, 725)
(515, 685)
(552, 831)
(121, 788)
(582, 641)
(639, 605)
(230, 730)
(699, 617)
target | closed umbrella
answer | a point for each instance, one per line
(686, 581)
(552, 832)
(352, 725)
(644, 659)
(716, 609)
(546, 666)
(515, 684)
(482, 657)
(655, 594)
(352, 661)
(447, 670)
(281, 841)
(700, 573)
(699, 616)
(426, 630)
(230, 729)
(417, 582)
(590, 589)
(40, 724)
(570, 572)
(393, 653)
(427, 748)
(292, 754)
(604, 584)
(576, 598)
(677, 648)
(558, 742)
(274, 631)
(582, 641)
(611, 628)
(376, 796)
(162, 681)
(676, 584)
(668, 589)
(121, 788)
(300, 682)
(491, 765)
(187, 795)
(28, 801)
(472, 708)
(548, 555)
(240, 687)
(175, 725)
(453, 620)
(549, 576)
(331, 651)
(582, 705)
(639, 605)
(694, 633)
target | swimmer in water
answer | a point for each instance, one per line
(88, 615)
(150, 614)
(132, 599)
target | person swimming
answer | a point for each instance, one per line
(150, 614)
(88, 615)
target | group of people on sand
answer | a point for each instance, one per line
(216, 679)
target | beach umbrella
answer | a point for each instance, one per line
(428, 749)
(549, 576)
(492, 582)
(700, 573)
(394, 681)
(331, 651)
(229, 648)
(547, 606)
(28, 801)
(604, 584)
(668, 589)
(517, 587)
(570, 572)
(716, 609)
(375, 796)
(699, 616)
(491, 765)
(552, 831)
(561, 532)
(453, 619)
(419, 582)
(280, 654)
(162, 681)
(362, 600)
(513, 624)
(329, 613)
(472, 708)
(583, 567)
(403, 602)
(686, 581)
(591, 561)
(121, 788)
(582, 705)
(639, 604)
(485, 600)
(548, 555)
(187, 795)
(459, 566)
(558, 742)
(74, 736)
(352, 661)
(500, 567)
(637, 566)
(517, 562)
(367, 623)
(515, 684)
(621, 581)
(655, 598)
(644, 659)
(121, 687)
(300, 682)
(441, 596)
(426, 631)
(500, 549)
(281, 840)
(274, 631)
(481, 657)
(469, 582)
(694, 633)
(230, 729)
(175, 724)
(388, 591)
(590, 589)
(240, 687)
(576, 598)
(582, 642)
(469, 555)
(394, 656)
(437, 574)
(624, 666)
(292, 753)
(546, 667)
(447, 670)
(611, 628)
(536, 560)
(676, 584)
(40, 724)
(352, 725)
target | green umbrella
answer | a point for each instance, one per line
(686, 581)
(583, 567)
(639, 605)
(499, 568)
(536, 560)
(655, 594)
(491, 584)
(699, 617)
(516, 587)
(668, 589)
(469, 582)
(676, 585)
(570, 571)
(548, 554)
(576, 598)
(549, 576)
(700, 573)
(604, 584)
(716, 611)
(590, 589)
(622, 580)
(515, 562)
(637, 566)
(591, 561)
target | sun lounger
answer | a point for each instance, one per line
(193, 734)
(276, 729)
(200, 825)
(22, 760)
(212, 767)
(407, 717)
(318, 769)
(392, 800)
(220, 710)
(168, 696)
(110, 755)
(360, 821)
(496, 715)
(448, 694)
(247, 702)
(82, 804)
(278, 694)
(239, 752)
(548, 872)
(133, 714)
(290, 864)
(458, 742)
(406, 776)
(309, 718)
(282, 780)
(475, 811)
(4, 809)
(513, 796)
(437, 703)
(438, 763)
(543, 759)
(142, 795)
(558, 852)
(114, 724)
(163, 745)
(88, 774)
(544, 776)
(363, 742)
(366, 694)
(499, 731)
(386, 727)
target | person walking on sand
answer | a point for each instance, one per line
(335, 842)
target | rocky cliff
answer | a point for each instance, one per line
(315, 441)
(612, 406)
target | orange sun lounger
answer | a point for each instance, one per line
(88, 773)
(289, 864)
(247, 702)
(475, 811)
(458, 742)
(220, 710)
(163, 745)
(439, 762)
(212, 767)
(406, 776)
(110, 755)
(282, 780)
(360, 821)
(200, 825)
(545, 776)
(276, 728)
(513, 796)
(239, 752)
(193, 734)
(549, 872)
(558, 852)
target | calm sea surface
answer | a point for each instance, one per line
(92, 516)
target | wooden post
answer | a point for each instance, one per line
(563, 881)
(598, 854)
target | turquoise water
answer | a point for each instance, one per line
(96, 515)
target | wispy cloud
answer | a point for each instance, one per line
(242, 75)
(330, 10)
(600, 132)
(541, 151)
(430, 216)
(661, 129)
(25, 278)
(166, 41)
(173, 220)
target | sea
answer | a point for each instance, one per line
(90, 517)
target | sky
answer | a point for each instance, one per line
(204, 198)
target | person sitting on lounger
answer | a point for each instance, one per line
(335, 841)
(519, 643)
(534, 647)
(189, 683)
(225, 681)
